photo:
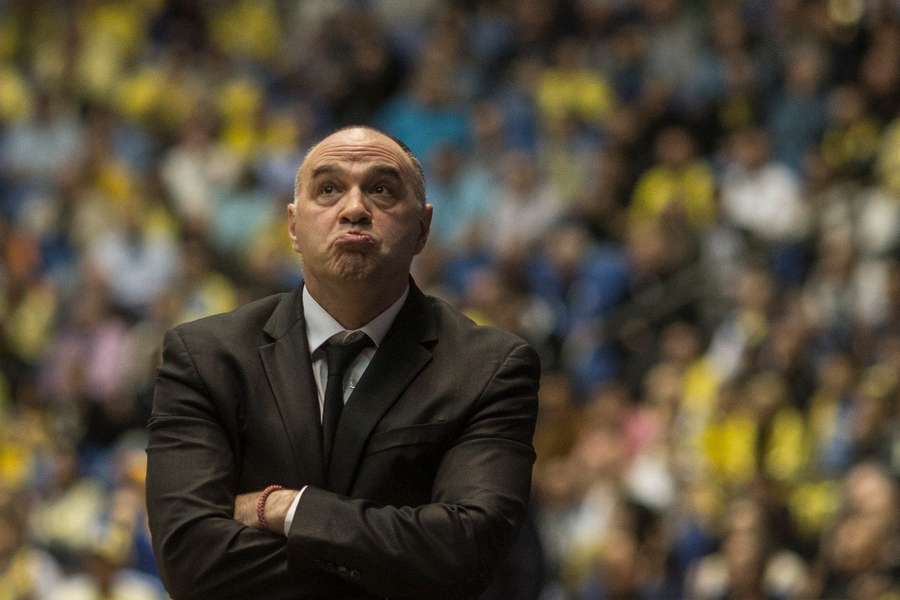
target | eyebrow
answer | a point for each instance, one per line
(386, 171)
(324, 170)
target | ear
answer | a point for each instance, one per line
(425, 226)
(292, 226)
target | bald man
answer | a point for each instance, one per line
(353, 438)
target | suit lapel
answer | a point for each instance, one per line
(397, 361)
(289, 370)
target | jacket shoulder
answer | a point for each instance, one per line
(244, 323)
(454, 325)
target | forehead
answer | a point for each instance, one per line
(358, 146)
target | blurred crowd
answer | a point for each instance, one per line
(691, 209)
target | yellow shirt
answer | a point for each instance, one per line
(689, 189)
(580, 93)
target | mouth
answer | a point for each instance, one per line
(354, 240)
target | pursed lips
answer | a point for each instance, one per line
(354, 238)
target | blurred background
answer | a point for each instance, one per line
(691, 209)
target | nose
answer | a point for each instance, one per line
(355, 209)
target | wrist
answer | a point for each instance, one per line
(261, 502)
(273, 508)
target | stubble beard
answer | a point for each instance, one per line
(353, 266)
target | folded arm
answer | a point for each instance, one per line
(446, 548)
(202, 552)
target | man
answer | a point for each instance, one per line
(405, 464)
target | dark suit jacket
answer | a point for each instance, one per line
(432, 460)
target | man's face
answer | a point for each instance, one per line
(356, 215)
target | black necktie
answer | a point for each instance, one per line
(340, 351)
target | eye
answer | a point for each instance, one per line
(379, 188)
(327, 188)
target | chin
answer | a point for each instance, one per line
(353, 266)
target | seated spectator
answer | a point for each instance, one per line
(679, 187)
(797, 117)
(194, 169)
(460, 192)
(569, 89)
(748, 565)
(26, 571)
(522, 209)
(859, 558)
(135, 261)
(39, 149)
(762, 195)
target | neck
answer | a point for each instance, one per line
(354, 303)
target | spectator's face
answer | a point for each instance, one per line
(356, 213)
(804, 70)
(520, 174)
(871, 493)
(751, 149)
(728, 29)
(680, 343)
(855, 545)
(647, 248)
(745, 516)
(881, 70)
(754, 290)
(674, 147)
(566, 247)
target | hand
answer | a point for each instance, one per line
(277, 505)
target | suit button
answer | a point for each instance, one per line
(343, 570)
(354, 574)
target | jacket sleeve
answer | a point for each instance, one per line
(202, 552)
(447, 548)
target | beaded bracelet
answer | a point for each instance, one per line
(261, 504)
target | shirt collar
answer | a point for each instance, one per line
(320, 325)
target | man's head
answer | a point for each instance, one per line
(418, 171)
(359, 210)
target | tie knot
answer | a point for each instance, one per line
(342, 348)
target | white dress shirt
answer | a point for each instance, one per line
(320, 326)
